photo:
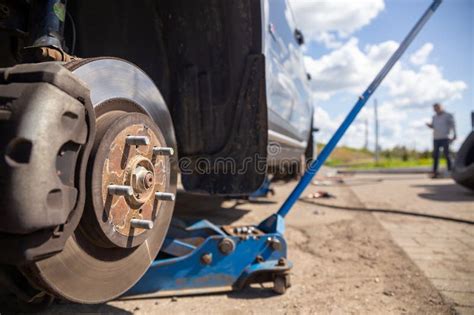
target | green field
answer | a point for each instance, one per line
(398, 157)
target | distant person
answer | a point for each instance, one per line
(443, 126)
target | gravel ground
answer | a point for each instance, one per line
(345, 261)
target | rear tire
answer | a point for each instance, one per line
(463, 172)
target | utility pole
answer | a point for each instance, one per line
(366, 143)
(376, 118)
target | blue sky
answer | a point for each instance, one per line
(348, 42)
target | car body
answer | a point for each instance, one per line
(230, 72)
(103, 103)
(289, 103)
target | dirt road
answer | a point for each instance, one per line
(345, 261)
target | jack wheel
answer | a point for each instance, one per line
(281, 283)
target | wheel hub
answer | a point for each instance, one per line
(141, 178)
(109, 251)
(129, 174)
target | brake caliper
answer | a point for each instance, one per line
(47, 127)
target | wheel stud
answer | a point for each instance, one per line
(166, 151)
(120, 190)
(141, 224)
(137, 140)
(164, 196)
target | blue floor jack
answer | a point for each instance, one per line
(205, 258)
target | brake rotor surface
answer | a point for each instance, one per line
(105, 256)
(133, 166)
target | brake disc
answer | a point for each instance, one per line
(107, 254)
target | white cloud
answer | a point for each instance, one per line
(421, 55)
(325, 123)
(323, 20)
(396, 127)
(422, 87)
(408, 92)
(328, 39)
(351, 69)
(347, 68)
(405, 96)
(390, 120)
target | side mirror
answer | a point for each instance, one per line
(308, 76)
(315, 129)
(299, 37)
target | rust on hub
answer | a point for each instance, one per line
(136, 167)
(117, 163)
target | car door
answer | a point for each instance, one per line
(287, 93)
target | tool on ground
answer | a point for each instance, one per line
(320, 194)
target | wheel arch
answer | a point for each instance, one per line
(206, 59)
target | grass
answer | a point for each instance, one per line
(364, 159)
(386, 164)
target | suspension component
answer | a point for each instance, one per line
(46, 34)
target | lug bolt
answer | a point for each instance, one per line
(166, 151)
(164, 196)
(120, 190)
(141, 224)
(137, 140)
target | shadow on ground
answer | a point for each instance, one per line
(364, 181)
(219, 210)
(59, 307)
(255, 291)
(446, 193)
